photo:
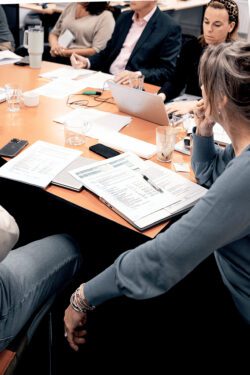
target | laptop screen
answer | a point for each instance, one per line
(142, 104)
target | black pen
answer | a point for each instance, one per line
(152, 184)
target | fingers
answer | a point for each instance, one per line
(76, 338)
(57, 51)
(75, 62)
(122, 79)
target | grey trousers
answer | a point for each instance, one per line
(29, 276)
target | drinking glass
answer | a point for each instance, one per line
(165, 142)
(75, 130)
(13, 98)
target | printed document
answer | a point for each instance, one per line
(142, 192)
(39, 164)
(101, 123)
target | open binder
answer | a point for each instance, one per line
(142, 192)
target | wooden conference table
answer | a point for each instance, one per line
(36, 123)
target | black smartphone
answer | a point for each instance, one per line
(13, 147)
(103, 150)
(23, 62)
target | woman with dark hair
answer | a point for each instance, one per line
(220, 24)
(83, 28)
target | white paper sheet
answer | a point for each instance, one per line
(60, 88)
(8, 57)
(102, 123)
(39, 164)
(68, 73)
(99, 81)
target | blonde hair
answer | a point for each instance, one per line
(225, 72)
(233, 15)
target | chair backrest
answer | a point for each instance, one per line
(12, 14)
(186, 38)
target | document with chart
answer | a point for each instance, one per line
(142, 192)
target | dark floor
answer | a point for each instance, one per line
(167, 333)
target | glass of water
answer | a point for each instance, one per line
(13, 98)
(75, 130)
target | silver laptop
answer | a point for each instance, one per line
(66, 180)
(139, 103)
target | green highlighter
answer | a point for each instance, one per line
(91, 92)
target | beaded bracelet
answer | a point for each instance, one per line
(78, 303)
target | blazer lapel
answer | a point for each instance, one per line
(146, 33)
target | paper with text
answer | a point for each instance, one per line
(39, 164)
(120, 183)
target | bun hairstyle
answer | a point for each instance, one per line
(225, 72)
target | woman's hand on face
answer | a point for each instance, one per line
(204, 125)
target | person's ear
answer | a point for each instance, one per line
(231, 26)
(222, 103)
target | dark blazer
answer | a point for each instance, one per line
(154, 54)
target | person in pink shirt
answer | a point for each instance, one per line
(145, 42)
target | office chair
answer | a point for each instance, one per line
(11, 356)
